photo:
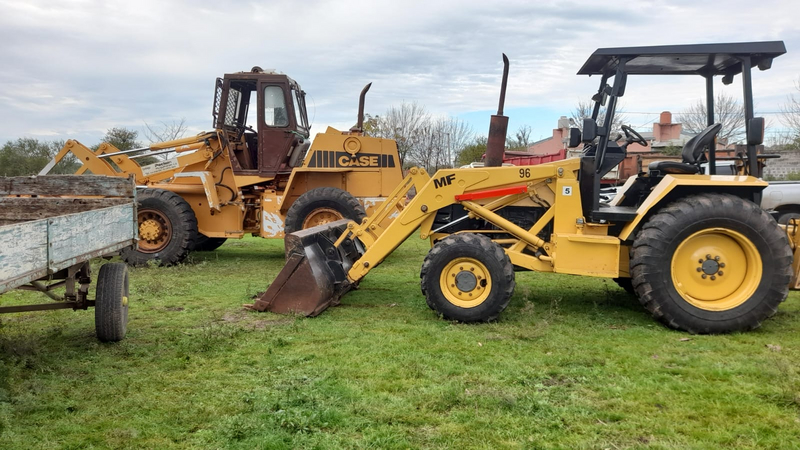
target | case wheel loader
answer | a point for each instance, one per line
(256, 173)
(695, 248)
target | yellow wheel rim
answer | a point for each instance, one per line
(465, 282)
(321, 216)
(716, 269)
(155, 231)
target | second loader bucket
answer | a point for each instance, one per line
(315, 274)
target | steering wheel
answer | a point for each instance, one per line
(632, 136)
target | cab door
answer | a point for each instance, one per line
(276, 122)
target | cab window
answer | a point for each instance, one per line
(275, 107)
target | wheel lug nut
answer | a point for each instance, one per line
(720, 273)
(713, 277)
(704, 276)
(452, 285)
(716, 258)
(722, 264)
(708, 256)
(699, 269)
(472, 269)
(700, 261)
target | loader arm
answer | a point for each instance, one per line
(325, 262)
(100, 162)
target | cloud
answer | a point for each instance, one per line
(77, 68)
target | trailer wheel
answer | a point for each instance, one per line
(204, 243)
(468, 278)
(321, 206)
(111, 302)
(711, 263)
(167, 229)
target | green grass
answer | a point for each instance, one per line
(572, 363)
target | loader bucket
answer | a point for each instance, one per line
(315, 274)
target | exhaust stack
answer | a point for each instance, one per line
(498, 126)
(359, 128)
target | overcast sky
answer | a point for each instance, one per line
(73, 69)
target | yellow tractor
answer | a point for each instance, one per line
(694, 247)
(256, 173)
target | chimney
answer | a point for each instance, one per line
(666, 118)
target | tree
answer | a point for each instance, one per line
(472, 152)
(403, 124)
(122, 138)
(125, 139)
(27, 156)
(423, 140)
(790, 112)
(727, 111)
(165, 131)
(521, 139)
(584, 110)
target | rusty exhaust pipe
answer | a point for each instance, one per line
(359, 128)
(498, 126)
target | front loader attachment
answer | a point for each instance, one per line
(315, 274)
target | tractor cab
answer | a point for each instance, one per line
(262, 115)
(602, 153)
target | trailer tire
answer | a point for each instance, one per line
(204, 243)
(111, 302)
(320, 206)
(711, 263)
(167, 229)
(468, 278)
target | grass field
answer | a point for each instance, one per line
(572, 363)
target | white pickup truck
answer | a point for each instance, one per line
(783, 197)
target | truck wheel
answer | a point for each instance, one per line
(204, 243)
(111, 302)
(711, 263)
(320, 206)
(786, 216)
(468, 278)
(167, 229)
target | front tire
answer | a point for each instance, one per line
(167, 229)
(711, 263)
(321, 206)
(468, 278)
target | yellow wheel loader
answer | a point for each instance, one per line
(694, 247)
(256, 173)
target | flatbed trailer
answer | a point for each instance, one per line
(51, 227)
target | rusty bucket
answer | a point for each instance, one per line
(315, 274)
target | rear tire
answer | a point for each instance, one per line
(625, 283)
(468, 278)
(711, 263)
(167, 229)
(111, 302)
(204, 243)
(320, 206)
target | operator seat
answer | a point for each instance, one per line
(692, 154)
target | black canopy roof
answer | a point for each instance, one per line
(695, 59)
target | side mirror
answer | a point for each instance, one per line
(589, 130)
(574, 138)
(755, 131)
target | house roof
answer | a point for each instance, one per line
(695, 59)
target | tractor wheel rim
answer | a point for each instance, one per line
(465, 282)
(155, 231)
(716, 269)
(321, 216)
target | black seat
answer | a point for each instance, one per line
(692, 154)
